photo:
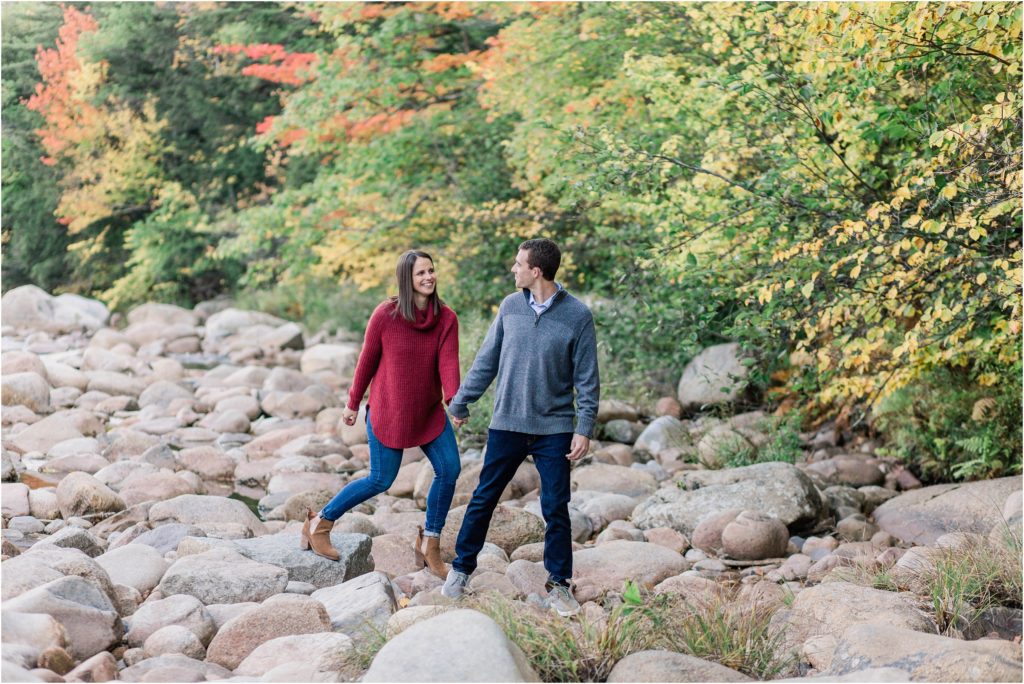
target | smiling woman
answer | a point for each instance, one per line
(411, 354)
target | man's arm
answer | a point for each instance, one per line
(480, 376)
(586, 380)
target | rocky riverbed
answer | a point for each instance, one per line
(131, 448)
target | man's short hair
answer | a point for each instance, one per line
(543, 254)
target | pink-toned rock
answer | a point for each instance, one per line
(609, 566)
(707, 536)
(691, 587)
(527, 576)
(278, 616)
(494, 582)
(755, 536)
(668, 406)
(667, 537)
(394, 554)
(510, 528)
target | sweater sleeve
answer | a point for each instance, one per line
(482, 373)
(448, 360)
(586, 379)
(369, 359)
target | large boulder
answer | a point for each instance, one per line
(212, 514)
(667, 666)
(359, 605)
(90, 621)
(32, 632)
(776, 489)
(923, 515)
(510, 528)
(457, 646)
(164, 314)
(819, 615)
(716, 375)
(223, 576)
(31, 307)
(602, 477)
(278, 616)
(926, 657)
(608, 566)
(283, 550)
(173, 667)
(339, 359)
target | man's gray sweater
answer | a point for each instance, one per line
(538, 359)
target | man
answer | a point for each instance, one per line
(541, 346)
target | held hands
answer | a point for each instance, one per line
(349, 416)
(459, 422)
(580, 447)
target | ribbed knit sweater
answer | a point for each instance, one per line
(540, 361)
(413, 367)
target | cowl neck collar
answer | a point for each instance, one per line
(425, 318)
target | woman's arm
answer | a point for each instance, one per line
(448, 360)
(369, 359)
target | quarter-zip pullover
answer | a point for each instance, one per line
(542, 363)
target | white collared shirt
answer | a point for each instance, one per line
(542, 307)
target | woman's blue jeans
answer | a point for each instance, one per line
(443, 454)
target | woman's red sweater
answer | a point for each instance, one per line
(413, 366)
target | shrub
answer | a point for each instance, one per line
(956, 423)
(320, 304)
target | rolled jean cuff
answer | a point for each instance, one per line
(431, 533)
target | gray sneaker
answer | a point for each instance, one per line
(562, 601)
(455, 585)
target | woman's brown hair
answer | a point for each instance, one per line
(405, 303)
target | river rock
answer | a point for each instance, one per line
(173, 667)
(825, 611)
(283, 550)
(923, 515)
(44, 434)
(602, 508)
(601, 477)
(174, 639)
(606, 568)
(713, 370)
(14, 499)
(755, 536)
(664, 432)
(86, 613)
(223, 576)
(667, 666)
(134, 565)
(926, 657)
(83, 494)
(719, 443)
(777, 489)
(453, 647)
(26, 389)
(34, 632)
(209, 513)
(848, 469)
(102, 667)
(278, 616)
(31, 307)
(359, 604)
(510, 528)
(178, 609)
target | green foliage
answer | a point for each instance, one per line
(949, 425)
(34, 243)
(782, 443)
(578, 650)
(966, 580)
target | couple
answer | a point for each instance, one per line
(541, 346)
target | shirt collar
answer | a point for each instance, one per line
(547, 303)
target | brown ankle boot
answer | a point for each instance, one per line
(319, 538)
(432, 557)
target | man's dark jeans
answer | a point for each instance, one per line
(505, 452)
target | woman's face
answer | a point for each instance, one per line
(423, 279)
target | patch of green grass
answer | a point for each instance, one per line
(570, 650)
(970, 578)
(737, 635)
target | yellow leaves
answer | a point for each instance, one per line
(948, 192)
(855, 272)
(807, 289)
(981, 279)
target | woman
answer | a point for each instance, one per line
(411, 353)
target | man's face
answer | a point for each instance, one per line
(525, 276)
